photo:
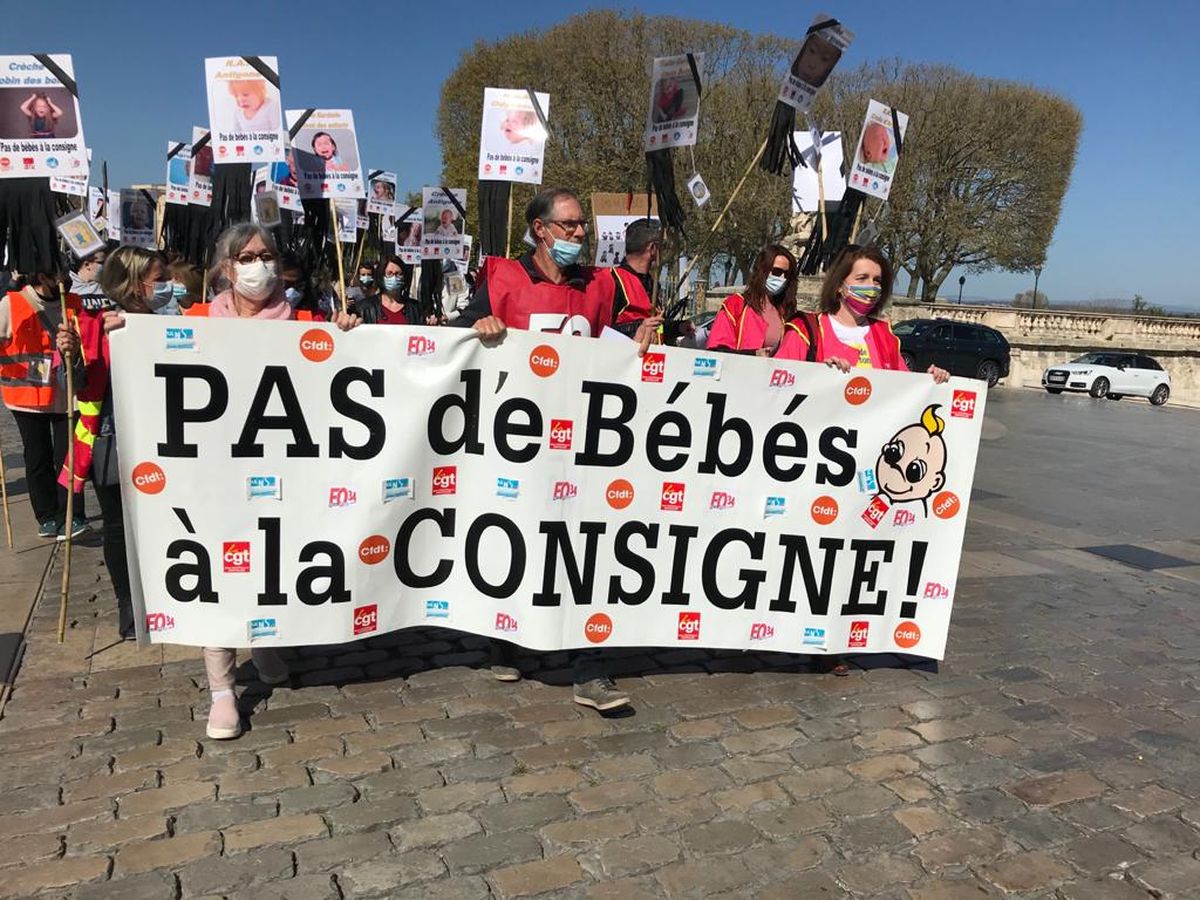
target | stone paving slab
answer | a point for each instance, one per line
(1053, 754)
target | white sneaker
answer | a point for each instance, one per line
(224, 720)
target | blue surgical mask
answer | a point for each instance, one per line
(163, 294)
(392, 282)
(366, 279)
(293, 296)
(565, 253)
(775, 284)
(178, 291)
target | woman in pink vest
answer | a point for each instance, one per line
(753, 322)
(849, 332)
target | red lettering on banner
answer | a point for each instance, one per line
(419, 345)
(722, 500)
(505, 622)
(564, 490)
(760, 631)
(782, 378)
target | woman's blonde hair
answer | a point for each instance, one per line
(254, 85)
(123, 274)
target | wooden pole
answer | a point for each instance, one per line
(821, 202)
(358, 254)
(508, 230)
(4, 488)
(857, 219)
(69, 521)
(337, 243)
(721, 217)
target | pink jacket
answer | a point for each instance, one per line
(883, 345)
(737, 327)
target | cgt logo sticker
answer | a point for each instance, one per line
(654, 367)
(445, 480)
(562, 432)
(672, 496)
(963, 405)
(688, 628)
(374, 549)
(859, 631)
(149, 478)
(366, 619)
(598, 628)
(543, 360)
(316, 345)
(235, 556)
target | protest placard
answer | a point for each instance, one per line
(381, 192)
(806, 192)
(244, 112)
(71, 185)
(201, 192)
(824, 43)
(698, 189)
(674, 101)
(409, 230)
(284, 178)
(98, 208)
(445, 218)
(512, 139)
(325, 152)
(179, 172)
(347, 221)
(879, 146)
(113, 210)
(79, 234)
(266, 209)
(41, 132)
(138, 218)
(533, 492)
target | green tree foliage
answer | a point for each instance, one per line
(1026, 300)
(983, 173)
(596, 68)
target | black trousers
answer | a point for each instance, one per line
(113, 534)
(44, 438)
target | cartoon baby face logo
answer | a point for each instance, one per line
(912, 465)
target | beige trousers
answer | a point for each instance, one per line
(220, 663)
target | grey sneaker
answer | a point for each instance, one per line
(601, 694)
(78, 526)
(506, 673)
(503, 662)
(48, 528)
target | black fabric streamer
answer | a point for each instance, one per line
(28, 237)
(821, 250)
(430, 289)
(493, 216)
(781, 140)
(660, 178)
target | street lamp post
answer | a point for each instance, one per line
(1037, 273)
(962, 279)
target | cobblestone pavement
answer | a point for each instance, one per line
(1055, 753)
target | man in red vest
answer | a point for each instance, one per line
(547, 289)
(633, 278)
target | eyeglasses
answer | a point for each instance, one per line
(247, 258)
(780, 273)
(569, 225)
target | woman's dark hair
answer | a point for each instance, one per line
(323, 134)
(756, 287)
(829, 300)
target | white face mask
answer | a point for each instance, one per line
(256, 280)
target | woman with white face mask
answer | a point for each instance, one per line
(752, 322)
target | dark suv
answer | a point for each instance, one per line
(975, 351)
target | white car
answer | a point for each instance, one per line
(1111, 375)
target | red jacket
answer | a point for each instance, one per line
(737, 326)
(632, 303)
(517, 294)
(882, 345)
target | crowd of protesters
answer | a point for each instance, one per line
(546, 289)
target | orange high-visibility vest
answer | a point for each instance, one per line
(27, 360)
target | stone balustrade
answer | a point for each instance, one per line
(1042, 337)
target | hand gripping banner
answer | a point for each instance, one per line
(290, 484)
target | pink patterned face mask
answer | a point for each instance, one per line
(860, 299)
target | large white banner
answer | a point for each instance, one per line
(287, 484)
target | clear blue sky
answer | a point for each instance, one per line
(1133, 69)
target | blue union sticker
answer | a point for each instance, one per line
(178, 338)
(866, 481)
(508, 488)
(775, 506)
(264, 487)
(437, 609)
(262, 628)
(707, 367)
(813, 637)
(397, 489)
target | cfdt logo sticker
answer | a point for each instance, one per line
(688, 628)
(316, 345)
(149, 478)
(374, 549)
(619, 493)
(946, 505)
(858, 391)
(824, 510)
(445, 480)
(598, 628)
(543, 360)
(907, 635)
(235, 556)
(562, 431)
(366, 619)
